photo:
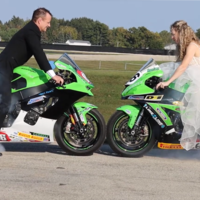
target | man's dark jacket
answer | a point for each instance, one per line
(24, 44)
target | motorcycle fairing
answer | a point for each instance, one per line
(132, 111)
(21, 131)
(83, 108)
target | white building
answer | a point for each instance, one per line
(78, 42)
(170, 47)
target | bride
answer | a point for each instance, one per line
(185, 70)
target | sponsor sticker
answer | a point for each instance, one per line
(154, 97)
(4, 137)
(35, 100)
(82, 118)
(128, 112)
(60, 65)
(161, 114)
(136, 97)
(28, 136)
(46, 92)
(169, 146)
(46, 137)
(177, 103)
(154, 116)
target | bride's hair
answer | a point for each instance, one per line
(186, 35)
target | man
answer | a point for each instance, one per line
(24, 44)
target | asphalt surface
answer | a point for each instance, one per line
(36, 171)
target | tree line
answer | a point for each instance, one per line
(94, 31)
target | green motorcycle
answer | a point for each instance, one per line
(42, 111)
(153, 119)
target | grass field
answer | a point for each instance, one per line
(109, 82)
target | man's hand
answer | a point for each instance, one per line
(58, 79)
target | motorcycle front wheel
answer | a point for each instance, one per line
(76, 143)
(124, 142)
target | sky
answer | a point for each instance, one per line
(155, 15)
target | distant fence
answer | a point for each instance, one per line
(110, 65)
(103, 49)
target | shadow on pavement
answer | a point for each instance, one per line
(175, 154)
(46, 147)
(160, 153)
(105, 150)
(33, 147)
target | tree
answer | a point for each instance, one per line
(134, 39)
(66, 33)
(119, 37)
(155, 42)
(139, 37)
(142, 38)
(6, 35)
(166, 37)
(100, 34)
(51, 35)
(85, 26)
(145, 37)
(198, 33)
(79, 37)
(62, 22)
(15, 22)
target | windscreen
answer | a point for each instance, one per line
(150, 63)
(67, 60)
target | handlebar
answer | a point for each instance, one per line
(56, 84)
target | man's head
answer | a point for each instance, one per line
(42, 18)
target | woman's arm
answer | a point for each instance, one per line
(190, 52)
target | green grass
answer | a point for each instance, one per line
(109, 82)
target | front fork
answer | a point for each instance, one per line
(77, 113)
(75, 120)
(136, 114)
(137, 123)
(133, 111)
(139, 117)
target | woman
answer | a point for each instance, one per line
(186, 70)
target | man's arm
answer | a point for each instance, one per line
(33, 41)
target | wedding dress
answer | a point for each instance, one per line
(190, 110)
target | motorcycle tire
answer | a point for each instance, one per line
(126, 144)
(74, 144)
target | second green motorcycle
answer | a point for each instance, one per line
(153, 118)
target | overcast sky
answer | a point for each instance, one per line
(154, 15)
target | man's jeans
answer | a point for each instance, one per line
(5, 96)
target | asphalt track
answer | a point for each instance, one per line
(44, 172)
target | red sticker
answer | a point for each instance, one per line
(4, 137)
